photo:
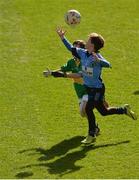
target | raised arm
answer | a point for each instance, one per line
(68, 45)
(77, 52)
(61, 34)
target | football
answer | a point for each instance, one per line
(72, 17)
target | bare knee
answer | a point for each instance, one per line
(83, 106)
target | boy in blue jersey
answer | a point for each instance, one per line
(92, 64)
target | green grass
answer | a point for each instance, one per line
(40, 127)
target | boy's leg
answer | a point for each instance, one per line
(115, 110)
(108, 111)
(129, 112)
(91, 117)
(105, 103)
(91, 123)
(83, 105)
(104, 110)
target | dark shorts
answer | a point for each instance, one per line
(96, 94)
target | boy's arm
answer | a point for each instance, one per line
(103, 62)
(73, 75)
(56, 73)
(75, 51)
(61, 34)
(68, 45)
(59, 74)
(48, 73)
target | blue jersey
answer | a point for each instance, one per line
(91, 69)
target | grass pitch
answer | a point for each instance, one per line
(41, 128)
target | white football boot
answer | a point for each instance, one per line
(129, 112)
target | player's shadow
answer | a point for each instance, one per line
(136, 92)
(57, 150)
(66, 162)
(24, 174)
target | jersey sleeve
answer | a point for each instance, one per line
(77, 52)
(67, 44)
(103, 62)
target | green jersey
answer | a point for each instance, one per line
(74, 66)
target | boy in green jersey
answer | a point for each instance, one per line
(73, 65)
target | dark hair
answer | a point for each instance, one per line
(81, 43)
(97, 40)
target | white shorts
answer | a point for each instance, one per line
(82, 104)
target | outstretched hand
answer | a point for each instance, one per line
(47, 72)
(60, 32)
